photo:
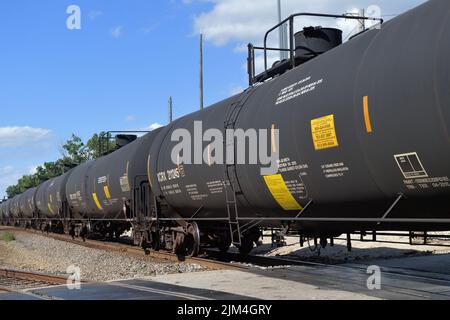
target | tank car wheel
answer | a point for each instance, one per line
(246, 246)
(156, 241)
(143, 243)
(224, 244)
(192, 240)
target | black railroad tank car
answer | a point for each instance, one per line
(102, 189)
(363, 145)
(45, 202)
(76, 191)
(14, 208)
(6, 210)
(102, 192)
(27, 204)
(56, 195)
(3, 212)
(187, 187)
(8, 213)
(362, 134)
(114, 177)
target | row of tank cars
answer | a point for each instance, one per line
(363, 146)
(115, 194)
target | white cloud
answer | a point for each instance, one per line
(32, 170)
(236, 90)
(130, 118)
(116, 32)
(21, 136)
(6, 170)
(95, 14)
(147, 30)
(240, 22)
(151, 127)
(8, 176)
(272, 56)
(154, 126)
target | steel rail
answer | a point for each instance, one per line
(17, 281)
(33, 276)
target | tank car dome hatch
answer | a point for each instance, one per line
(309, 43)
(314, 41)
(123, 139)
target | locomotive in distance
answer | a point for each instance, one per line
(363, 145)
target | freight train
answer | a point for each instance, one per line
(361, 131)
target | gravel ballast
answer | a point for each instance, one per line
(37, 253)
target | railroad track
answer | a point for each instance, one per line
(135, 251)
(214, 260)
(15, 280)
(211, 259)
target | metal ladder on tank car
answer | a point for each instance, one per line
(232, 187)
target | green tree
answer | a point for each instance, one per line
(93, 146)
(100, 143)
(74, 152)
(13, 191)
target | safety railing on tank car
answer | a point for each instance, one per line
(291, 49)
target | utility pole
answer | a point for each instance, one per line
(361, 22)
(170, 110)
(282, 34)
(201, 71)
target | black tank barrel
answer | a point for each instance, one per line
(359, 125)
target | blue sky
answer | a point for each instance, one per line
(118, 71)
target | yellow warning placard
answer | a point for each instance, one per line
(280, 192)
(324, 133)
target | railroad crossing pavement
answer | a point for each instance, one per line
(122, 290)
(315, 282)
(17, 296)
(425, 277)
(235, 284)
